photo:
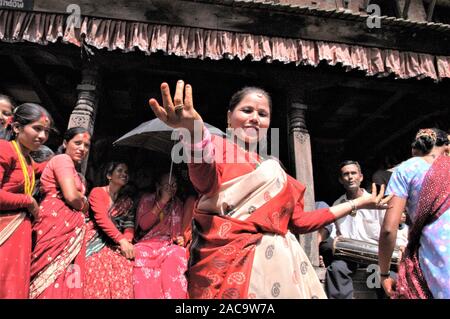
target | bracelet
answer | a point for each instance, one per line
(388, 274)
(353, 211)
(85, 202)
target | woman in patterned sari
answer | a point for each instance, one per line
(160, 266)
(422, 184)
(243, 242)
(109, 236)
(28, 130)
(57, 260)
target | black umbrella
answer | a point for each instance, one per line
(155, 135)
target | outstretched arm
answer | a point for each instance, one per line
(305, 222)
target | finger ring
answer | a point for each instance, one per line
(179, 107)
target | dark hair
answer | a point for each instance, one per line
(70, 134)
(25, 114)
(239, 96)
(7, 99)
(349, 162)
(127, 190)
(426, 139)
(111, 166)
(43, 154)
(160, 174)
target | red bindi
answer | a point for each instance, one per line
(44, 118)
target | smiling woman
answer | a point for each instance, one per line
(109, 236)
(61, 221)
(248, 211)
(27, 131)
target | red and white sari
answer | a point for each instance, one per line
(242, 243)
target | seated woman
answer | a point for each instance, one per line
(109, 234)
(57, 260)
(161, 260)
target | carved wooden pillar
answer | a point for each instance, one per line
(300, 150)
(85, 110)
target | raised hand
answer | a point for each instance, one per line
(375, 200)
(180, 112)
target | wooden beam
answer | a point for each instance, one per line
(33, 79)
(67, 56)
(397, 8)
(406, 9)
(405, 129)
(260, 21)
(431, 10)
(382, 109)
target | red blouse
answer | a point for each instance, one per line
(12, 195)
(100, 204)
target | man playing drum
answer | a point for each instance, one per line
(362, 225)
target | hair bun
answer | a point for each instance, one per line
(427, 132)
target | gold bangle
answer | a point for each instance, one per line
(354, 209)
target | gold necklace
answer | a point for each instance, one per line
(161, 211)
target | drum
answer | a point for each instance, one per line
(360, 252)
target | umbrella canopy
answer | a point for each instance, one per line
(155, 135)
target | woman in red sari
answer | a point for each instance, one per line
(243, 243)
(57, 260)
(28, 131)
(109, 236)
(160, 265)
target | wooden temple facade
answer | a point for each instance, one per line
(345, 83)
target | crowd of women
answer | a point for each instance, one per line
(235, 239)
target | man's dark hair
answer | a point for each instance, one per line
(349, 162)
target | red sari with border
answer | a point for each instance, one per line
(234, 240)
(15, 225)
(58, 258)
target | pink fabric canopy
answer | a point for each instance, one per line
(16, 26)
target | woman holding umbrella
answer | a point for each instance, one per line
(160, 265)
(243, 243)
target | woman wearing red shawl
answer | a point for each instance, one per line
(28, 131)
(110, 231)
(57, 260)
(422, 184)
(161, 263)
(242, 239)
